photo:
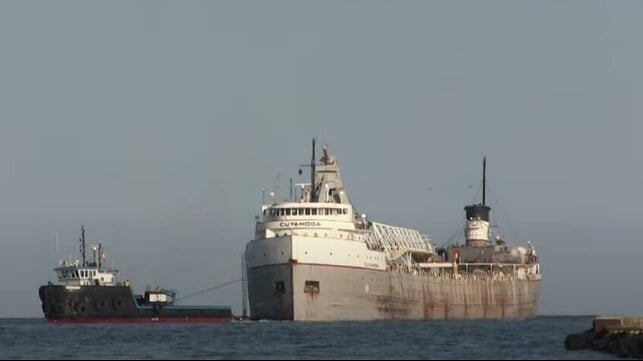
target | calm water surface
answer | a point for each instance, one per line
(540, 338)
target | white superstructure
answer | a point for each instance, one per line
(322, 227)
(86, 273)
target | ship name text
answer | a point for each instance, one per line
(300, 224)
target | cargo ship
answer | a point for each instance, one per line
(314, 257)
(87, 291)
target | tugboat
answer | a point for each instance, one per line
(89, 292)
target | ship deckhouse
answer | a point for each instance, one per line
(322, 209)
(86, 273)
(314, 219)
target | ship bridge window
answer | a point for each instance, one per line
(308, 211)
(313, 211)
(301, 211)
(287, 211)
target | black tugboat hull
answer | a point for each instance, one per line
(116, 304)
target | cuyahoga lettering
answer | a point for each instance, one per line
(299, 224)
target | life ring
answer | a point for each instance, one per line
(100, 304)
(118, 304)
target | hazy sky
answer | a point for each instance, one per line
(157, 124)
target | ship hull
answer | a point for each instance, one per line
(317, 292)
(116, 304)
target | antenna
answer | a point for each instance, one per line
(484, 180)
(312, 174)
(82, 243)
(100, 256)
(57, 248)
(291, 189)
(277, 185)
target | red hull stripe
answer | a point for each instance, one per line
(143, 320)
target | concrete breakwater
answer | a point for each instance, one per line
(619, 335)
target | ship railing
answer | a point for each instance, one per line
(423, 273)
(511, 270)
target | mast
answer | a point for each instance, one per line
(484, 180)
(312, 175)
(477, 221)
(100, 255)
(82, 243)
